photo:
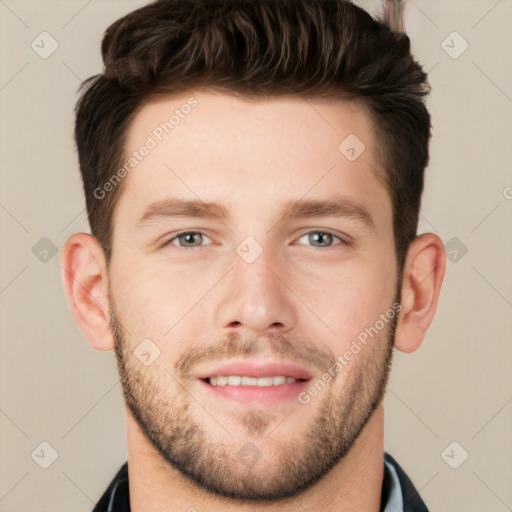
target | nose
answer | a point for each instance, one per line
(256, 299)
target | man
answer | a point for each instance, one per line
(253, 174)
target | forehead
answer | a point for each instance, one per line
(206, 116)
(208, 146)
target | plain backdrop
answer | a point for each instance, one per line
(450, 400)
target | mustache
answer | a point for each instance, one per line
(278, 346)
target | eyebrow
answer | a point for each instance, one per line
(297, 209)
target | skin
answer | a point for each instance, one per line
(302, 299)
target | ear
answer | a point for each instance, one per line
(423, 275)
(86, 285)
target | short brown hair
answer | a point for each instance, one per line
(313, 48)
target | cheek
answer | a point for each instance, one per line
(164, 305)
(353, 301)
(148, 305)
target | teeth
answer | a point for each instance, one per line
(236, 380)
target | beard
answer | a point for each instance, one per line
(163, 408)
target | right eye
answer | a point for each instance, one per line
(187, 238)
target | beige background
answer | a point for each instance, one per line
(458, 387)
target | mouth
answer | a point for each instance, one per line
(245, 380)
(256, 382)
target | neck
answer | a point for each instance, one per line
(354, 484)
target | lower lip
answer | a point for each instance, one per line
(257, 394)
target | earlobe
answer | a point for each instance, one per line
(422, 278)
(85, 278)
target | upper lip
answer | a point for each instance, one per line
(257, 368)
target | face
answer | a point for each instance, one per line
(290, 278)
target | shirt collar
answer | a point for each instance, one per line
(395, 502)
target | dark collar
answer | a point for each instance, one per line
(411, 498)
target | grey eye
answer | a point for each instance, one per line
(322, 238)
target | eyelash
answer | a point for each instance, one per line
(176, 237)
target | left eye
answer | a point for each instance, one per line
(323, 238)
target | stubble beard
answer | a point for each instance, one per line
(247, 469)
